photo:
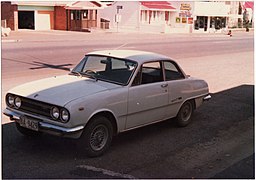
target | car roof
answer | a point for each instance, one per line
(138, 56)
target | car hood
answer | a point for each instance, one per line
(61, 89)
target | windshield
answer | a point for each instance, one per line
(104, 68)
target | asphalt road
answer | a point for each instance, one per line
(217, 144)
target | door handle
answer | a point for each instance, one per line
(164, 85)
(177, 99)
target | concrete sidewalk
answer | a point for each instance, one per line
(56, 35)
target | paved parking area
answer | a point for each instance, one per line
(219, 142)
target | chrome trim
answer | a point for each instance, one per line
(14, 116)
(207, 98)
(61, 129)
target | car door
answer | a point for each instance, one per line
(148, 96)
(177, 87)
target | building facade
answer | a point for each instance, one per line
(49, 15)
(142, 16)
(170, 17)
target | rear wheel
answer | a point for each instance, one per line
(184, 116)
(97, 136)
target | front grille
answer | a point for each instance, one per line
(31, 106)
(35, 107)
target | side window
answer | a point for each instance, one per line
(172, 72)
(149, 73)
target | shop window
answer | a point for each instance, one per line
(201, 22)
(218, 22)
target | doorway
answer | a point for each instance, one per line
(218, 23)
(83, 20)
(201, 23)
(26, 20)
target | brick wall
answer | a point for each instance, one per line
(60, 18)
(9, 13)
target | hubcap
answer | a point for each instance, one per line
(99, 137)
(186, 112)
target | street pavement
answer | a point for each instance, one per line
(219, 143)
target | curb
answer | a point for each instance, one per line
(9, 40)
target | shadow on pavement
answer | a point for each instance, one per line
(41, 65)
(243, 169)
(54, 157)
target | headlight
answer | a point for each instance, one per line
(55, 113)
(10, 100)
(17, 102)
(64, 115)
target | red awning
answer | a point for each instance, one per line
(248, 4)
(158, 5)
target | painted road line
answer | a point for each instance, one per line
(106, 172)
(121, 46)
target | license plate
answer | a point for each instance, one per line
(28, 123)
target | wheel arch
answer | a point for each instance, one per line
(109, 115)
(192, 100)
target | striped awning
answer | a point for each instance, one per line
(158, 5)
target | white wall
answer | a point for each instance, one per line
(211, 9)
(129, 14)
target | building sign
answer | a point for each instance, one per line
(184, 20)
(185, 10)
(185, 14)
(177, 20)
(118, 18)
(118, 8)
(186, 7)
(190, 20)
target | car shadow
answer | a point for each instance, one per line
(137, 146)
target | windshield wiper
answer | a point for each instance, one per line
(88, 73)
(91, 74)
(75, 72)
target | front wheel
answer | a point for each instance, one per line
(97, 136)
(184, 116)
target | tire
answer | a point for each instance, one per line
(184, 116)
(27, 132)
(97, 136)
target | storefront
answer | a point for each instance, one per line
(82, 15)
(210, 16)
(216, 23)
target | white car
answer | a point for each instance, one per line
(108, 92)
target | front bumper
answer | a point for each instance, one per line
(48, 128)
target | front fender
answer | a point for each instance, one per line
(111, 101)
